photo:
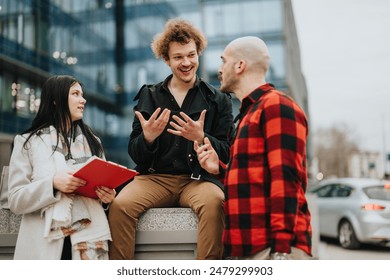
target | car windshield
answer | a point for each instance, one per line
(378, 192)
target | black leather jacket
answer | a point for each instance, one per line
(217, 125)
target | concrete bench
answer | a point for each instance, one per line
(162, 233)
(9, 227)
(167, 233)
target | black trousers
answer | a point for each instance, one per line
(67, 249)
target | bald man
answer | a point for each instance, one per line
(267, 214)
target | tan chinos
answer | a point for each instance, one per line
(165, 190)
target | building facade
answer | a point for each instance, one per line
(106, 45)
(40, 38)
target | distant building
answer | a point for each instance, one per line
(366, 165)
(362, 164)
(106, 44)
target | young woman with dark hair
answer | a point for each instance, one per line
(56, 223)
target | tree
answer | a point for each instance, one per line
(333, 147)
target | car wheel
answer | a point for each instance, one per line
(347, 237)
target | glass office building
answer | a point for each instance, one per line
(106, 45)
(40, 38)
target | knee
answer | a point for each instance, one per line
(212, 205)
(215, 198)
(123, 206)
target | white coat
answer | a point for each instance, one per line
(30, 189)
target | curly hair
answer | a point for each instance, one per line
(177, 30)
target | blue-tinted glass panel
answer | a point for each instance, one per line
(277, 53)
(239, 18)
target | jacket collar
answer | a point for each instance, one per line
(197, 83)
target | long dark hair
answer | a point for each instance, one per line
(54, 110)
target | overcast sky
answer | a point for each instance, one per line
(345, 51)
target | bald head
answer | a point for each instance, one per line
(251, 49)
(245, 62)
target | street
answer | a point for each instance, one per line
(328, 249)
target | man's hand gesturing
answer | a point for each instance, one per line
(156, 124)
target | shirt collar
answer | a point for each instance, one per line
(255, 96)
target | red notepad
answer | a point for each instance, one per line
(99, 172)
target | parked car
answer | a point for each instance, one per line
(354, 210)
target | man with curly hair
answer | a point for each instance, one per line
(170, 116)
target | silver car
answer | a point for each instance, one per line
(354, 210)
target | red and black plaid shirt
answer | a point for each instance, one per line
(266, 178)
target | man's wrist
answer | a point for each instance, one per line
(201, 140)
